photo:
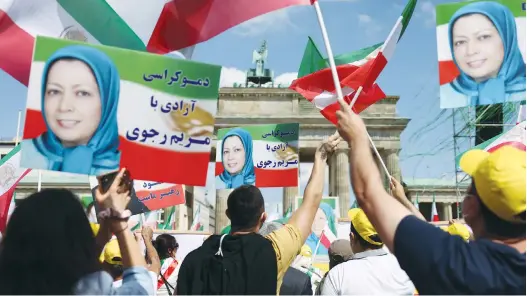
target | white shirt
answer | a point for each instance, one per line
(367, 273)
(153, 275)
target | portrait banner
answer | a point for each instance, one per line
(481, 52)
(150, 196)
(93, 109)
(260, 155)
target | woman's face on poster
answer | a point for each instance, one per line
(319, 223)
(478, 47)
(72, 102)
(233, 155)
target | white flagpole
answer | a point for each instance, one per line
(39, 186)
(336, 80)
(18, 128)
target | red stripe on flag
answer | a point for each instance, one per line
(324, 240)
(366, 75)
(184, 23)
(145, 162)
(16, 49)
(269, 177)
(448, 71)
(514, 144)
(167, 273)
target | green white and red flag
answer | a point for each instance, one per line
(514, 137)
(360, 68)
(10, 175)
(158, 26)
(196, 222)
(435, 215)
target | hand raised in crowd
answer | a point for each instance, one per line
(147, 233)
(113, 204)
(396, 188)
(350, 125)
(327, 147)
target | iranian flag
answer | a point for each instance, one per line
(360, 68)
(196, 222)
(327, 237)
(158, 26)
(514, 137)
(274, 154)
(169, 219)
(448, 71)
(10, 175)
(435, 216)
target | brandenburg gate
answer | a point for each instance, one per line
(245, 106)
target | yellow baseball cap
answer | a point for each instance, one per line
(112, 253)
(457, 229)
(362, 224)
(95, 228)
(500, 180)
(352, 212)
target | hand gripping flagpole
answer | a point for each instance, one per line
(336, 80)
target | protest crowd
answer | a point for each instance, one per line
(391, 250)
(78, 121)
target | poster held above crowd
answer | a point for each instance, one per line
(90, 111)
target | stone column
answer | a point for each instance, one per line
(289, 198)
(391, 160)
(446, 211)
(339, 179)
(384, 178)
(221, 206)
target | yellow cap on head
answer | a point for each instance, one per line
(362, 224)
(112, 253)
(500, 180)
(459, 229)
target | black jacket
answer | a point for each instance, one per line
(296, 283)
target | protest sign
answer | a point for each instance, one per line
(92, 109)
(150, 196)
(260, 155)
(481, 52)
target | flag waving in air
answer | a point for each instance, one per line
(10, 175)
(360, 68)
(158, 26)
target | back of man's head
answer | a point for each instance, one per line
(339, 251)
(245, 206)
(497, 193)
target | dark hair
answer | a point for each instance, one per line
(245, 205)
(48, 245)
(494, 225)
(164, 244)
(115, 270)
(363, 242)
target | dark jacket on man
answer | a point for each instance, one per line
(296, 283)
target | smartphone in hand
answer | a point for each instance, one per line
(106, 181)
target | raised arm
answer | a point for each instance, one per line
(303, 217)
(153, 262)
(383, 210)
(398, 192)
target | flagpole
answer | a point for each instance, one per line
(336, 81)
(39, 185)
(18, 127)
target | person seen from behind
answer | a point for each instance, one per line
(339, 252)
(166, 246)
(244, 262)
(61, 256)
(295, 282)
(371, 270)
(439, 263)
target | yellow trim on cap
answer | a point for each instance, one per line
(362, 224)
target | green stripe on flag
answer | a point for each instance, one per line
(312, 60)
(285, 132)
(445, 11)
(134, 65)
(10, 154)
(357, 55)
(407, 15)
(226, 230)
(103, 23)
(481, 146)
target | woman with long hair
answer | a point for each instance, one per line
(166, 246)
(60, 255)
